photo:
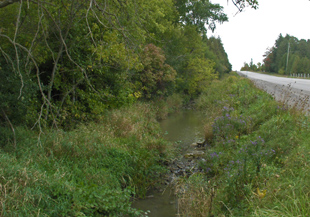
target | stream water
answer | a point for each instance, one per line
(183, 128)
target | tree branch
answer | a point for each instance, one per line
(11, 126)
(5, 3)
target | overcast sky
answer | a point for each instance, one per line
(249, 33)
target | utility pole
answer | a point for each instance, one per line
(288, 53)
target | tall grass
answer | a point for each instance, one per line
(258, 145)
(93, 170)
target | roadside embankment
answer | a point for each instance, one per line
(257, 160)
(286, 93)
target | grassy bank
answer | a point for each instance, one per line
(257, 161)
(93, 170)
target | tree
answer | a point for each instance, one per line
(259, 66)
(200, 13)
(220, 58)
(201, 72)
(296, 61)
(156, 76)
(79, 52)
(296, 67)
(269, 60)
(245, 67)
(241, 4)
(186, 46)
(74, 59)
(305, 65)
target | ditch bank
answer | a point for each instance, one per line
(185, 130)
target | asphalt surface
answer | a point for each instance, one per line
(294, 92)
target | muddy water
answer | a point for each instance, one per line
(183, 129)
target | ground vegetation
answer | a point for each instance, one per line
(82, 85)
(256, 160)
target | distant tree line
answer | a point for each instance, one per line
(288, 56)
(252, 67)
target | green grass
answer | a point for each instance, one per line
(256, 143)
(93, 170)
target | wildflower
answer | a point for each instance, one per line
(261, 194)
(254, 143)
(214, 154)
(225, 108)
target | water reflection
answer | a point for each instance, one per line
(186, 127)
(159, 204)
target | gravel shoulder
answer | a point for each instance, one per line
(285, 90)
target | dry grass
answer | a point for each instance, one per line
(208, 131)
(195, 197)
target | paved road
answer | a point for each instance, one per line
(292, 91)
(296, 83)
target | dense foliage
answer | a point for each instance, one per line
(288, 56)
(64, 62)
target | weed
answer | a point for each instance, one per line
(93, 170)
(195, 196)
(259, 158)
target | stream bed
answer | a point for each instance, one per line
(183, 129)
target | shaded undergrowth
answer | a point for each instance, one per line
(257, 160)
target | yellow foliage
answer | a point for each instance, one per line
(137, 94)
(261, 194)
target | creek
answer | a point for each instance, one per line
(183, 129)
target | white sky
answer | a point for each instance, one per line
(249, 33)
